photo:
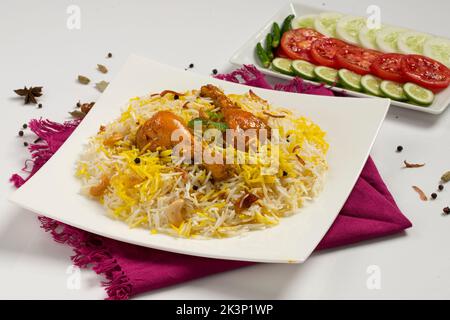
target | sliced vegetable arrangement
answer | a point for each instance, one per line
(342, 51)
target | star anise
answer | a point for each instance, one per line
(30, 94)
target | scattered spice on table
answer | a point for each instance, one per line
(413, 165)
(446, 177)
(191, 66)
(399, 148)
(78, 104)
(20, 133)
(102, 85)
(40, 105)
(446, 210)
(83, 79)
(441, 187)
(214, 71)
(25, 144)
(109, 55)
(422, 194)
(434, 195)
(30, 94)
(137, 160)
(86, 107)
(24, 126)
(102, 68)
(77, 114)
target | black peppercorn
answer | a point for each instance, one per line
(78, 104)
(446, 210)
(441, 187)
(109, 55)
(40, 105)
(195, 187)
(24, 126)
(399, 149)
(176, 97)
(191, 65)
(434, 195)
(285, 173)
(20, 133)
(137, 160)
(214, 71)
(25, 144)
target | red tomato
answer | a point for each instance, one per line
(388, 66)
(280, 53)
(425, 72)
(296, 43)
(356, 59)
(323, 51)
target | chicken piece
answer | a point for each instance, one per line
(157, 132)
(234, 116)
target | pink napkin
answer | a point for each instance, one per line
(370, 211)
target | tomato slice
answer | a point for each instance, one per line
(296, 43)
(425, 71)
(280, 53)
(323, 51)
(356, 59)
(388, 66)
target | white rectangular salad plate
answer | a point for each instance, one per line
(246, 55)
(351, 125)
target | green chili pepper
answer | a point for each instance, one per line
(287, 24)
(262, 55)
(268, 47)
(276, 35)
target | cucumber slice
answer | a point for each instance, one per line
(347, 29)
(306, 21)
(326, 22)
(411, 42)
(367, 37)
(418, 94)
(387, 39)
(304, 69)
(326, 74)
(349, 79)
(438, 49)
(283, 65)
(393, 90)
(371, 85)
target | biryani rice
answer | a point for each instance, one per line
(141, 193)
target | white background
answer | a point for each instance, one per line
(38, 49)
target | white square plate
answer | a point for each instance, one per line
(351, 125)
(246, 55)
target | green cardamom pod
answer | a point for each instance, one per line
(446, 177)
